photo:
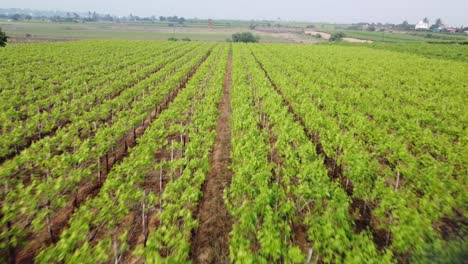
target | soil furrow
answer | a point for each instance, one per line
(210, 242)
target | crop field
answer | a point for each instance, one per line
(123, 151)
(43, 31)
(439, 51)
(401, 37)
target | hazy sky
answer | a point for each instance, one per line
(454, 12)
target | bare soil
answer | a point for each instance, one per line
(327, 36)
(211, 240)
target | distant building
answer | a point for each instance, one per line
(422, 25)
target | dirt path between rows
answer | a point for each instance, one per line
(211, 240)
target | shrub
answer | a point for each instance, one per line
(172, 39)
(244, 37)
(337, 36)
(3, 38)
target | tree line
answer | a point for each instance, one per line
(90, 17)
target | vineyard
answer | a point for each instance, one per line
(115, 151)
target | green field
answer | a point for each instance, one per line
(125, 151)
(440, 51)
(409, 37)
(378, 36)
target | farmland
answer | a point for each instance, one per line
(399, 37)
(129, 151)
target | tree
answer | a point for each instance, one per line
(337, 36)
(16, 17)
(3, 38)
(244, 37)
(371, 28)
(426, 20)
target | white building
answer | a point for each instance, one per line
(422, 25)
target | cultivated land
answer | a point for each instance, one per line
(121, 151)
(44, 31)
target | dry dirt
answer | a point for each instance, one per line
(211, 240)
(327, 36)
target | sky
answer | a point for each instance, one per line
(452, 12)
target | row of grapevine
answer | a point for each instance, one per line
(255, 199)
(171, 240)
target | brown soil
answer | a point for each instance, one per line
(211, 240)
(327, 36)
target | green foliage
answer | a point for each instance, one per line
(3, 38)
(358, 150)
(371, 28)
(439, 51)
(337, 36)
(244, 37)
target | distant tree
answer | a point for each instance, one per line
(28, 17)
(108, 18)
(252, 26)
(3, 38)
(16, 17)
(186, 39)
(426, 20)
(318, 35)
(161, 18)
(181, 20)
(404, 25)
(172, 39)
(337, 36)
(244, 37)
(371, 28)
